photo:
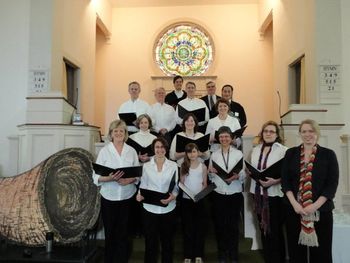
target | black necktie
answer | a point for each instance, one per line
(211, 102)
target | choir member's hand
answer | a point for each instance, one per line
(310, 209)
(139, 197)
(247, 171)
(298, 209)
(270, 181)
(232, 178)
(126, 181)
(114, 176)
(168, 200)
(212, 170)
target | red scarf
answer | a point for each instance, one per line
(307, 234)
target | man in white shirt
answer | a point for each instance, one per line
(163, 115)
(134, 105)
(192, 103)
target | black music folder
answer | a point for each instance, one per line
(129, 172)
(199, 113)
(140, 149)
(274, 171)
(225, 175)
(237, 133)
(200, 195)
(129, 118)
(202, 143)
(154, 197)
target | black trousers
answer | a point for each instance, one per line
(324, 231)
(115, 216)
(193, 224)
(273, 241)
(159, 227)
(226, 213)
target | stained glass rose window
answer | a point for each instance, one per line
(184, 50)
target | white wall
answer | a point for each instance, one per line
(14, 28)
(37, 34)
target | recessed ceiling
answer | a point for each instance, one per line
(152, 3)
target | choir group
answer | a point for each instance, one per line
(189, 151)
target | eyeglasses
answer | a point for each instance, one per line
(269, 131)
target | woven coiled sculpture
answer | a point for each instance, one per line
(57, 195)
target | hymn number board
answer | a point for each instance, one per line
(330, 84)
(38, 81)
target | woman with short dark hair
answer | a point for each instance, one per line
(227, 197)
(159, 222)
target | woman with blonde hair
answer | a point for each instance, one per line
(116, 191)
(309, 179)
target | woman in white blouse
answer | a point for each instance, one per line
(223, 119)
(227, 197)
(268, 194)
(116, 191)
(159, 221)
(143, 137)
(189, 127)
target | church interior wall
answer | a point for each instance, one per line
(240, 55)
(293, 37)
(14, 71)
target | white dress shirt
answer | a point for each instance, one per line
(109, 156)
(172, 152)
(277, 153)
(221, 186)
(179, 93)
(159, 181)
(190, 105)
(215, 123)
(138, 106)
(163, 116)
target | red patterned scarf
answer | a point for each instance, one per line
(307, 234)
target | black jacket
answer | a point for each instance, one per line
(173, 100)
(325, 175)
(212, 113)
(238, 112)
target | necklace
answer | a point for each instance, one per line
(226, 161)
